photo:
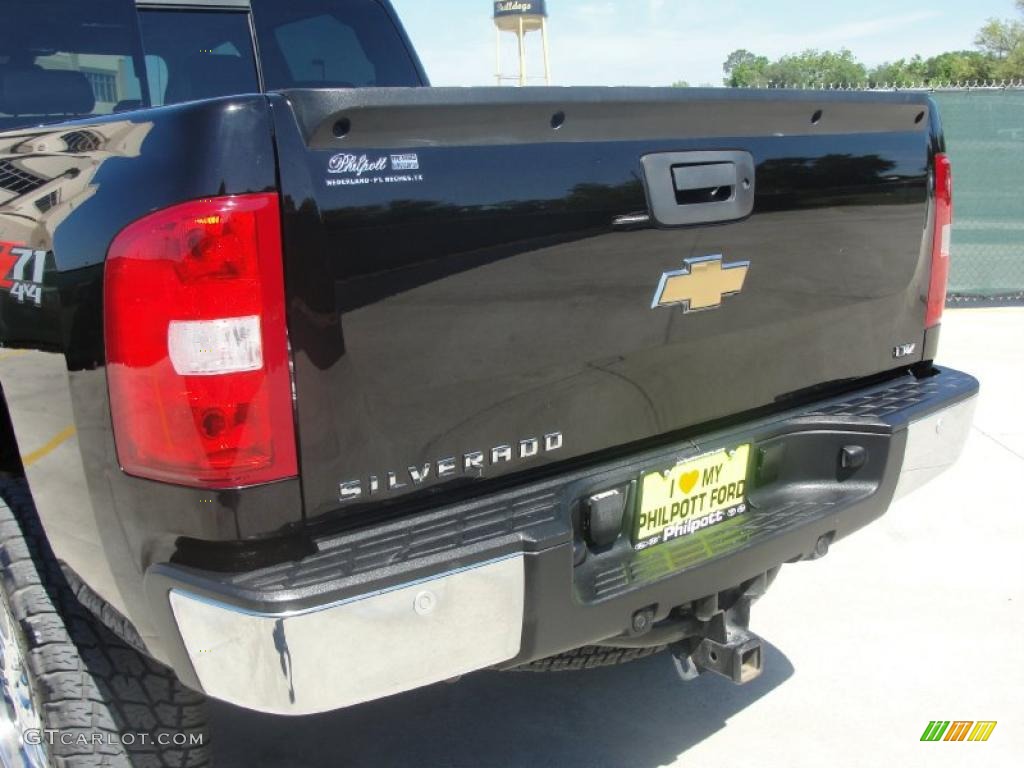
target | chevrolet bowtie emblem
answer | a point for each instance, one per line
(702, 283)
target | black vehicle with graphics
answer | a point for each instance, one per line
(320, 385)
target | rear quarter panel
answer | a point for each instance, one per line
(94, 178)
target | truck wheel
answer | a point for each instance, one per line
(61, 670)
(588, 657)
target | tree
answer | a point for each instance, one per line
(960, 66)
(818, 67)
(1000, 56)
(1003, 41)
(1000, 38)
(738, 58)
(952, 67)
(748, 70)
(899, 72)
(745, 69)
(1012, 67)
(680, 84)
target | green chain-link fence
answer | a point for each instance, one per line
(984, 127)
(985, 140)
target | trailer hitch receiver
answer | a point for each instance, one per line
(723, 644)
(741, 659)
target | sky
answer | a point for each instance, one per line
(657, 42)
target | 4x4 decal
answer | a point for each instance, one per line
(21, 272)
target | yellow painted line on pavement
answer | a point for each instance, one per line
(29, 459)
(13, 353)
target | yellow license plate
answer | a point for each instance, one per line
(691, 497)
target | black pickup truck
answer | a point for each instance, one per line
(320, 385)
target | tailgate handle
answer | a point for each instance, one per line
(685, 188)
(705, 183)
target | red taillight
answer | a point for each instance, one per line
(940, 240)
(197, 351)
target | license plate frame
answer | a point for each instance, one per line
(692, 496)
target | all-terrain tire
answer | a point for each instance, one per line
(109, 704)
(588, 657)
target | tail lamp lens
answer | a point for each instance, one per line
(940, 240)
(197, 351)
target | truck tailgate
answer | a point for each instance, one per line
(476, 282)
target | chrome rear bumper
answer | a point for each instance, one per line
(934, 443)
(360, 649)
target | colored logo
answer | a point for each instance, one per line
(701, 284)
(21, 272)
(958, 730)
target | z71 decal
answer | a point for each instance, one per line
(21, 272)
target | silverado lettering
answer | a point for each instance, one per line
(472, 464)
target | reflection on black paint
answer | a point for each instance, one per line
(790, 183)
(430, 241)
(46, 176)
(285, 657)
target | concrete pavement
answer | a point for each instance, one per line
(919, 617)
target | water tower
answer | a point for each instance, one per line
(520, 17)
